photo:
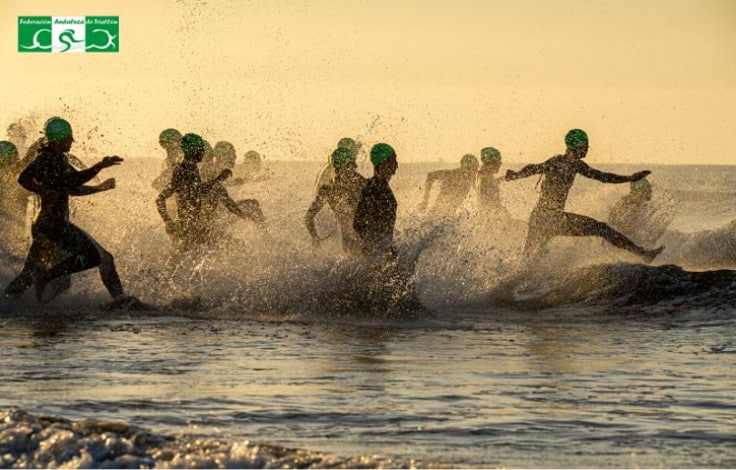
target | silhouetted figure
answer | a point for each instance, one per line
(170, 141)
(217, 197)
(13, 201)
(375, 214)
(252, 166)
(549, 219)
(639, 216)
(342, 195)
(327, 173)
(489, 195)
(188, 230)
(52, 177)
(454, 187)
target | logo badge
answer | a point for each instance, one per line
(68, 34)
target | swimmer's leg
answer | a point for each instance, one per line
(252, 208)
(85, 254)
(38, 256)
(580, 226)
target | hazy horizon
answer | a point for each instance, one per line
(652, 82)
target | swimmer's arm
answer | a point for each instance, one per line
(314, 209)
(207, 187)
(604, 177)
(529, 170)
(32, 180)
(85, 190)
(229, 204)
(30, 183)
(432, 176)
(161, 203)
(78, 178)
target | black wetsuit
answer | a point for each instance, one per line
(13, 203)
(54, 179)
(375, 217)
(455, 185)
(549, 219)
(191, 227)
(489, 195)
(342, 195)
(210, 216)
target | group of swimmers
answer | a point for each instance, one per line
(196, 174)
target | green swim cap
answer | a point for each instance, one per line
(469, 161)
(341, 157)
(169, 137)
(381, 152)
(191, 143)
(576, 139)
(640, 185)
(490, 155)
(57, 129)
(8, 152)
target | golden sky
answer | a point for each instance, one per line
(652, 81)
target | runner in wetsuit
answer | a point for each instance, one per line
(375, 215)
(52, 177)
(13, 201)
(489, 196)
(169, 140)
(224, 160)
(455, 185)
(623, 213)
(549, 219)
(342, 195)
(188, 230)
(328, 171)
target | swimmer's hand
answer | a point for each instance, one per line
(510, 175)
(110, 161)
(107, 184)
(640, 174)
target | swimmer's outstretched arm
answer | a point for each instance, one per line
(604, 177)
(314, 209)
(529, 170)
(85, 190)
(161, 203)
(207, 187)
(78, 178)
(432, 176)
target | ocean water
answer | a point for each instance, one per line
(271, 353)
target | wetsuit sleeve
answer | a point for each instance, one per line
(529, 170)
(211, 184)
(601, 176)
(167, 193)
(85, 190)
(30, 179)
(223, 197)
(314, 209)
(432, 176)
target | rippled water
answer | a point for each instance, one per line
(487, 388)
(618, 365)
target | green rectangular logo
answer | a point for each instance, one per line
(68, 34)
